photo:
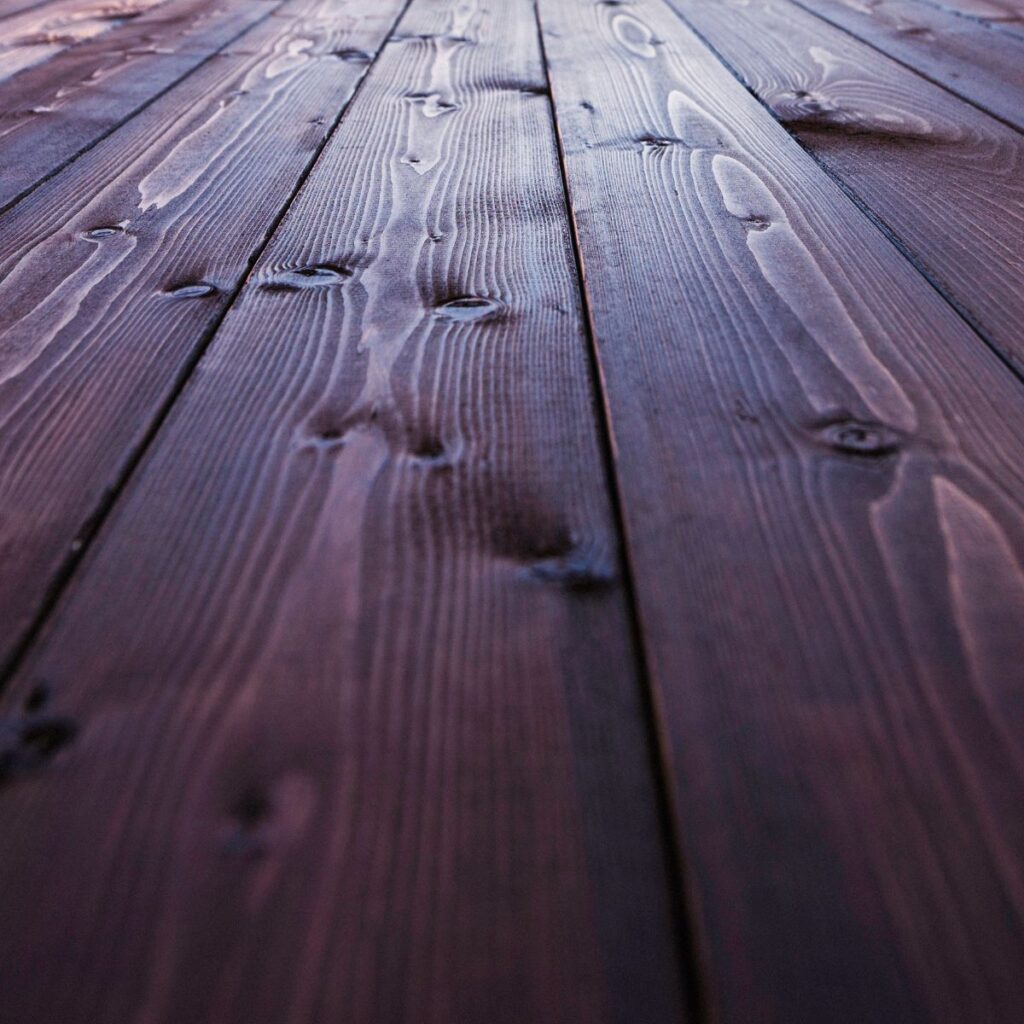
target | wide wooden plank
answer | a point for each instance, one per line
(889, 135)
(114, 272)
(53, 111)
(970, 59)
(822, 478)
(346, 683)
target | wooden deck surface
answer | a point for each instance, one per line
(511, 511)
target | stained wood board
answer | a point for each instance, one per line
(1007, 15)
(116, 270)
(55, 110)
(943, 177)
(38, 35)
(349, 666)
(970, 59)
(820, 472)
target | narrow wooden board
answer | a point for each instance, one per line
(346, 682)
(822, 474)
(971, 60)
(115, 271)
(57, 109)
(945, 178)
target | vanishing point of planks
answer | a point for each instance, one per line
(511, 511)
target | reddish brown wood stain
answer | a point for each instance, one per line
(511, 512)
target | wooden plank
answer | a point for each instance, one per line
(9, 8)
(355, 710)
(822, 479)
(58, 108)
(114, 271)
(1007, 15)
(38, 35)
(887, 134)
(971, 60)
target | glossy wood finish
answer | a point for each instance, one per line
(511, 512)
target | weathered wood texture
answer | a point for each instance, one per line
(821, 475)
(970, 59)
(333, 690)
(37, 35)
(114, 271)
(1006, 15)
(346, 686)
(353, 644)
(945, 178)
(10, 8)
(54, 110)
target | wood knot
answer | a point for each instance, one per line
(304, 278)
(432, 103)
(328, 438)
(245, 834)
(915, 31)
(466, 308)
(524, 88)
(103, 231)
(29, 742)
(656, 143)
(756, 222)
(860, 438)
(578, 567)
(429, 449)
(353, 56)
(192, 290)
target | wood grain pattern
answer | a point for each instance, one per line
(971, 60)
(354, 643)
(40, 34)
(114, 271)
(821, 475)
(888, 135)
(1006, 15)
(58, 108)
(9, 8)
